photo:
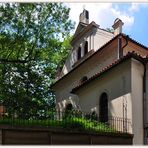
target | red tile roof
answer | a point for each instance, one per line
(110, 66)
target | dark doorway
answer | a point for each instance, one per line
(68, 111)
(68, 108)
(86, 47)
(103, 108)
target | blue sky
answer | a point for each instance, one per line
(134, 16)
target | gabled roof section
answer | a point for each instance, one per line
(80, 28)
(109, 67)
(109, 42)
(81, 31)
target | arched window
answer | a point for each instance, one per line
(69, 107)
(68, 110)
(86, 47)
(79, 53)
(103, 108)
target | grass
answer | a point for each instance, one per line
(69, 123)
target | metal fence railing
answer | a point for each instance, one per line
(68, 119)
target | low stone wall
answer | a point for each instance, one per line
(54, 136)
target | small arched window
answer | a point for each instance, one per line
(68, 110)
(69, 107)
(79, 53)
(103, 108)
(86, 47)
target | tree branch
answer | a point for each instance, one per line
(15, 61)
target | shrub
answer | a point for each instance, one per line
(72, 123)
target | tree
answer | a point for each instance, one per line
(61, 56)
(31, 49)
(110, 30)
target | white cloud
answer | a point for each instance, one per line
(134, 7)
(95, 11)
(103, 14)
(124, 16)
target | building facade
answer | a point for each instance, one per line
(106, 73)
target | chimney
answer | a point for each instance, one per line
(117, 26)
(84, 17)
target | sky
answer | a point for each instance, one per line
(134, 16)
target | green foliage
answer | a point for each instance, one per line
(64, 52)
(31, 48)
(69, 123)
(110, 30)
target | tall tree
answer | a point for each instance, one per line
(31, 47)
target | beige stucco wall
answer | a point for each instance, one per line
(146, 99)
(137, 101)
(117, 84)
(124, 85)
(89, 68)
(146, 104)
(100, 38)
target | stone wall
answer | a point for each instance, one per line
(46, 136)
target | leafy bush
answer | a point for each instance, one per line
(72, 123)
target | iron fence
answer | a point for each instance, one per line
(68, 119)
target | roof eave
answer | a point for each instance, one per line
(128, 56)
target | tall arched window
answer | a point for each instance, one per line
(86, 47)
(79, 53)
(103, 108)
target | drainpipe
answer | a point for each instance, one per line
(126, 42)
(144, 101)
(120, 48)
